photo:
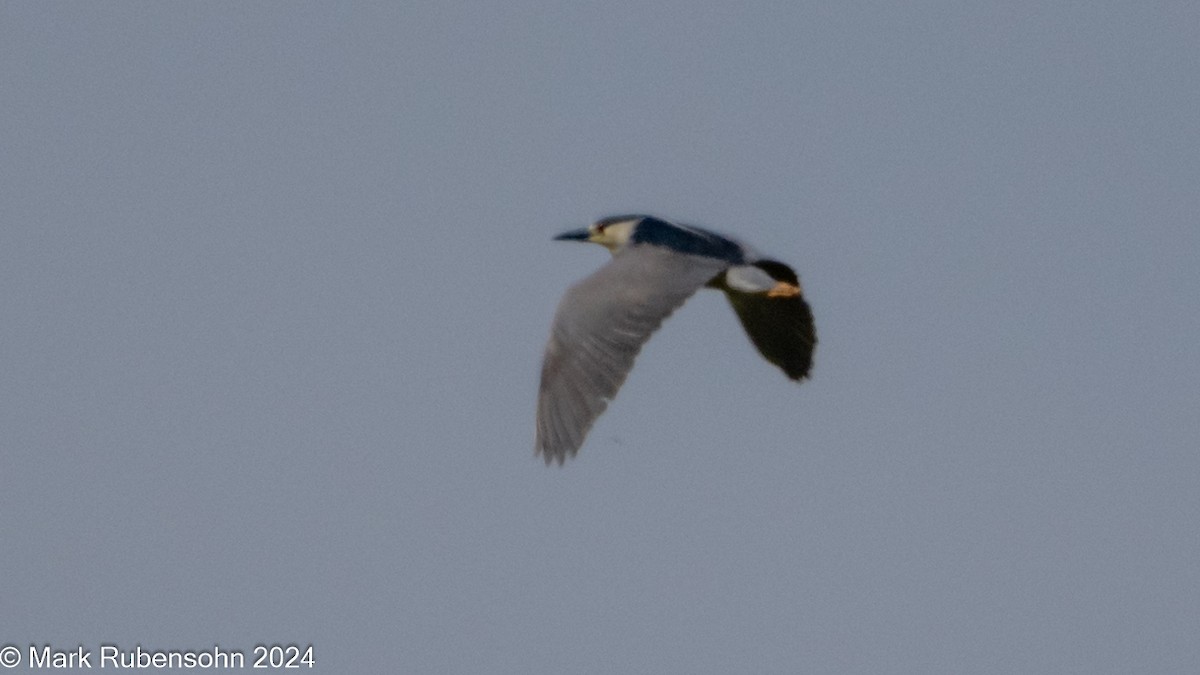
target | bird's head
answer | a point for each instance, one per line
(611, 233)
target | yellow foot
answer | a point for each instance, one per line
(783, 289)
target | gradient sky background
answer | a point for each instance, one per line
(277, 277)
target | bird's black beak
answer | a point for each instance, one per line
(574, 235)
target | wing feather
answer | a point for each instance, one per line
(781, 328)
(599, 328)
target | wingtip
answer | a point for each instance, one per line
(798, 373)
(549, 456)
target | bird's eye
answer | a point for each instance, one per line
(600, 227)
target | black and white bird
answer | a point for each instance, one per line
(603, 321)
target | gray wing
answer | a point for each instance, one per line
(599, 328)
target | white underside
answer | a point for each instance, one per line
(748, 279)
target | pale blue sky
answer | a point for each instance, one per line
(277, 277)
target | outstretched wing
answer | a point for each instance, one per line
(779, 324)
(599, 328)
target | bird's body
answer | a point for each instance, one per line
(603, 321)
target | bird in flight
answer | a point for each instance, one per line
(603, 320)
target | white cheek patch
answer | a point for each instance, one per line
(619, 233)
(749, 279)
